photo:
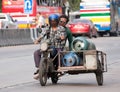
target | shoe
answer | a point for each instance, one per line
(37, 71)
(36, 76)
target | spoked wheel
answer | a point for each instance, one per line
(99, 74)
(53, 75)
(43, 72)
(54, 78)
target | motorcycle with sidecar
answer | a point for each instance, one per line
(83, 59)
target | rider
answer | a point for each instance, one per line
(53, 33)
(63, 20)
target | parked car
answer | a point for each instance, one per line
(7, 21)
(82, 27)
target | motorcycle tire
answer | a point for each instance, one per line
(43, 72)
(54, 78)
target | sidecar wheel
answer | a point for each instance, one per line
(99, 74)
(43, 72)
(99, 78)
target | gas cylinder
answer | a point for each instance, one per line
(71, 59)
(81, 43)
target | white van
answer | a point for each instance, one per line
(7, 22)
(74, 15)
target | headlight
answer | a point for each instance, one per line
(44, 46)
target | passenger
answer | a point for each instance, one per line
(54, 31)
(63, 20)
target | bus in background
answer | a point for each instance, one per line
(100, 14)
(16, 9)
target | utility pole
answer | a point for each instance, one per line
(66, 7)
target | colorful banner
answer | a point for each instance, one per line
(12, 5)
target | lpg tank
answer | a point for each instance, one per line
(71, 59)
(81, 43)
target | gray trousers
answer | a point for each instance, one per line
(37, 57)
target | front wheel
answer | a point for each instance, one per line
(43, 72)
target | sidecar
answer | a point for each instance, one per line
(90, 61)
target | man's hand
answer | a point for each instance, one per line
(36, 42)
(62, 36)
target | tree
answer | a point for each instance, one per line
(0, 5)
(74, 4)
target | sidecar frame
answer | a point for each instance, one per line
(93, 61)
(89, 56)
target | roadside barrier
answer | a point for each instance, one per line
(11, 37)
(0, 24)
(34, 33)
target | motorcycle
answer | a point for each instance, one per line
(49, 61)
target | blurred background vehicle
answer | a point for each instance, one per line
(7, 21)
(74, 15)
(84, 27)
(103, 15)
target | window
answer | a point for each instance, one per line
(49, 2)
(2, 17)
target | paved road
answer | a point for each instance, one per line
(17, 67)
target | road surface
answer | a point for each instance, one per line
(17, 68)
